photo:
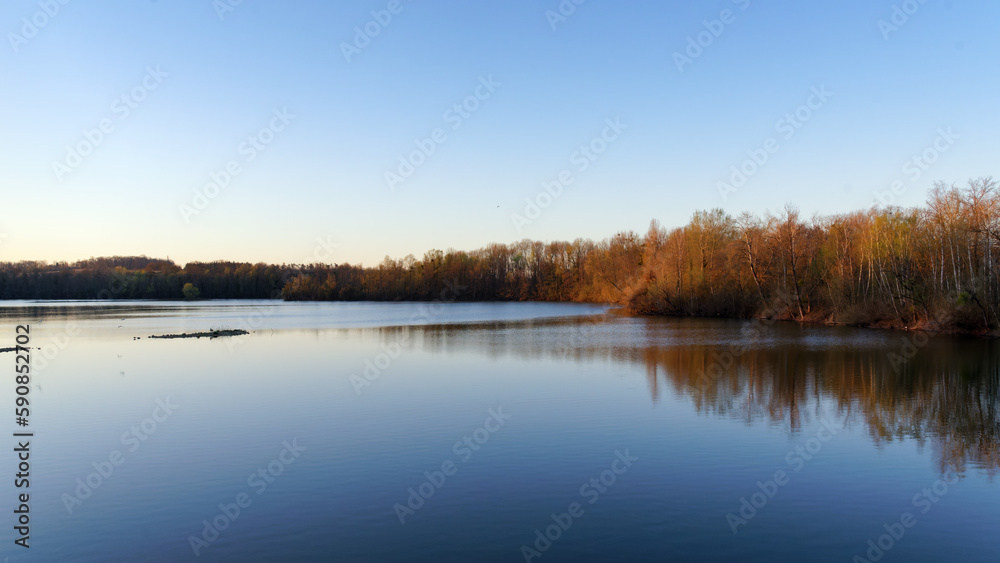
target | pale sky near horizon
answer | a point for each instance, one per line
(309, 111)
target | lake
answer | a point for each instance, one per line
(497, 432)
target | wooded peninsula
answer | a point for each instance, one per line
(933, 267)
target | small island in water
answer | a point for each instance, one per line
(208, 334)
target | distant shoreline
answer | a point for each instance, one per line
(932, 268)
(814, 319)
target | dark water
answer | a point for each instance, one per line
(625, 439)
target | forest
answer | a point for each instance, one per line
(931, 267)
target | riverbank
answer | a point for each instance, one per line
(830, 319)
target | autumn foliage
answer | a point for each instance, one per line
(933, 266)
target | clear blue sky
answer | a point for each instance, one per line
(323, 174)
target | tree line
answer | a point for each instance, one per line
(933, 266)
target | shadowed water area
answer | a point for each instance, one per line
(499, 432)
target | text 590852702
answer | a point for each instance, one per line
(22, 379)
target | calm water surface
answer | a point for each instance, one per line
(469, 432)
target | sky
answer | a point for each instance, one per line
(304, 131)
